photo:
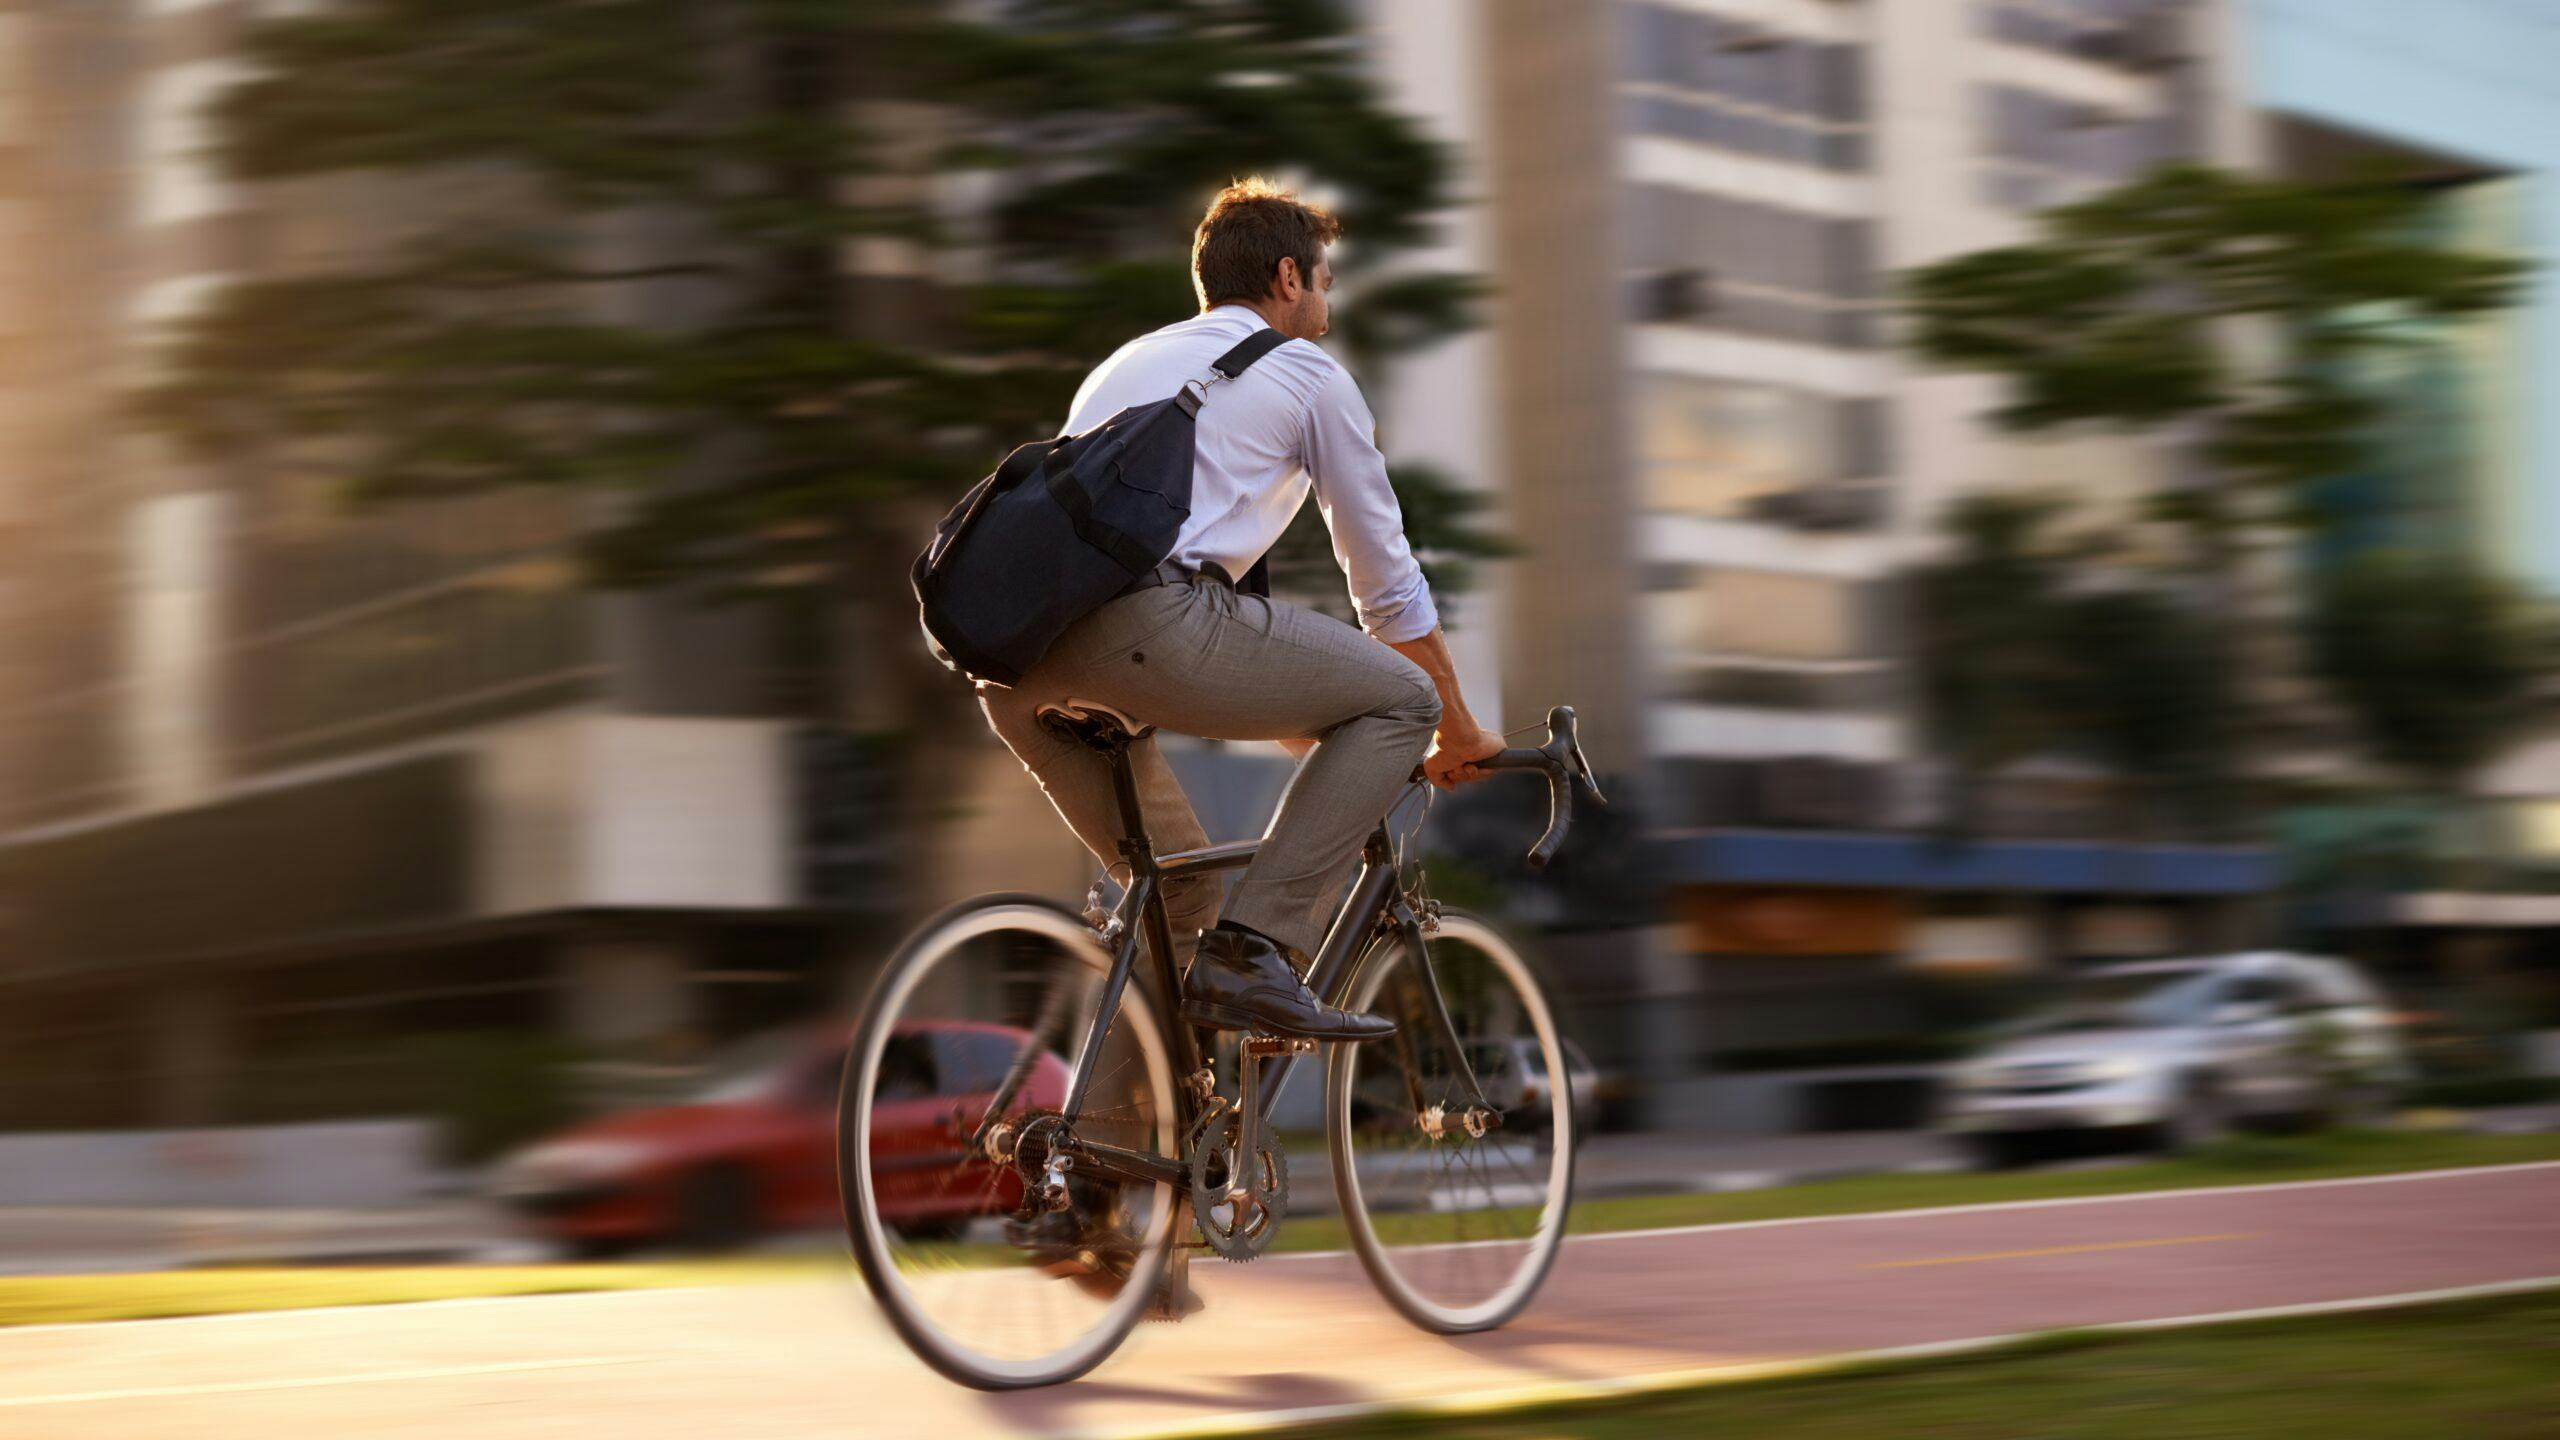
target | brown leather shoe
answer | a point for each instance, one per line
(1241, 981)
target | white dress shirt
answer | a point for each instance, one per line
(1292, 423)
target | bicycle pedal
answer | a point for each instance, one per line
(1263, 1046)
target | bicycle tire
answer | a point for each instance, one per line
(1556, 1199)
(867, 1232)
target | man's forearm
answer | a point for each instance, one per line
(1431, 652)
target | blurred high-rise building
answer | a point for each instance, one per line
(284, 784)
(1691, 212)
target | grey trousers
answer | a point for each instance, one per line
(1199, 659)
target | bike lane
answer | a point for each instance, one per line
(1291, 1337)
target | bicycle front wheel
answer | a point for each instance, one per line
(1000, 994)
(1456, 1223)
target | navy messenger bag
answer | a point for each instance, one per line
(1062, 527)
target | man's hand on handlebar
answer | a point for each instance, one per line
(1450, 762)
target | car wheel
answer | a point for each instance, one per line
(715, 1208)
(2196, 1118)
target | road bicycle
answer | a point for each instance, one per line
(1022, 1132)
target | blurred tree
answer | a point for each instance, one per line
(2019, 658)
(2149, 696)
(776, 277)
(2217, 302)
(2440, 663)
(2223, 311)
(1982, 633)
(775, 280)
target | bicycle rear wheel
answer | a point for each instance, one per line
(1456, 1229)
(991, 1294)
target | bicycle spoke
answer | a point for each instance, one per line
(1457, 1227)
(988, 1284)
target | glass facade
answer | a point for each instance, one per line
(2477, 89)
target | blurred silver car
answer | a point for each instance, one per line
(2181, 1050)
(1514, 1077)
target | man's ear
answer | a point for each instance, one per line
(1287, 280)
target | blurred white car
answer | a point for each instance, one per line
(2180, 1050)
(1513, 1075)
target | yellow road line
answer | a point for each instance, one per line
(309, 1382)
(2064, 1250)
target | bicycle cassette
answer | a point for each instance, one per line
(1238, 1220)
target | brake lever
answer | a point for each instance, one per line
(1581, 769)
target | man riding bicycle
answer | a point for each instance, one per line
(1108, 1143)
(1185, 649)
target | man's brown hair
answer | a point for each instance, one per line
(1249, 228)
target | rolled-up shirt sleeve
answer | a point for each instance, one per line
(1359, 509)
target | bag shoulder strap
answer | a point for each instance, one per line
(1253, 347)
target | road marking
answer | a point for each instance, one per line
(2062, 1250)
(1602, 1388)
(370, 1377)
(397, 1307)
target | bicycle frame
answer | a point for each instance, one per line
(1373, 903)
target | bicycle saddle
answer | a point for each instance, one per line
(1092, 722)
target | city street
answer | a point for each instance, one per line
(1289, 1335)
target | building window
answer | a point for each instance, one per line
(1765, 615)
(2137, 35)
(1769, 640)
(2041, 149)
(1760, 269)
(1741, 87)
(1713, 447)
(1725, 449)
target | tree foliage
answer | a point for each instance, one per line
(2019, 657)
(619, 258)
(2198, 296)
(2438, 662)
(2225, 314)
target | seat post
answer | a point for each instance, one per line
(1134, 845)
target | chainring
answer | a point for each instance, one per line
(1237, 1233)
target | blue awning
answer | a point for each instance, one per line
(1877, 860)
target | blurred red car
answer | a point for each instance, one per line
(754, 1151)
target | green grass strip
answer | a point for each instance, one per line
(2484, 1369)
(2239, 1160)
